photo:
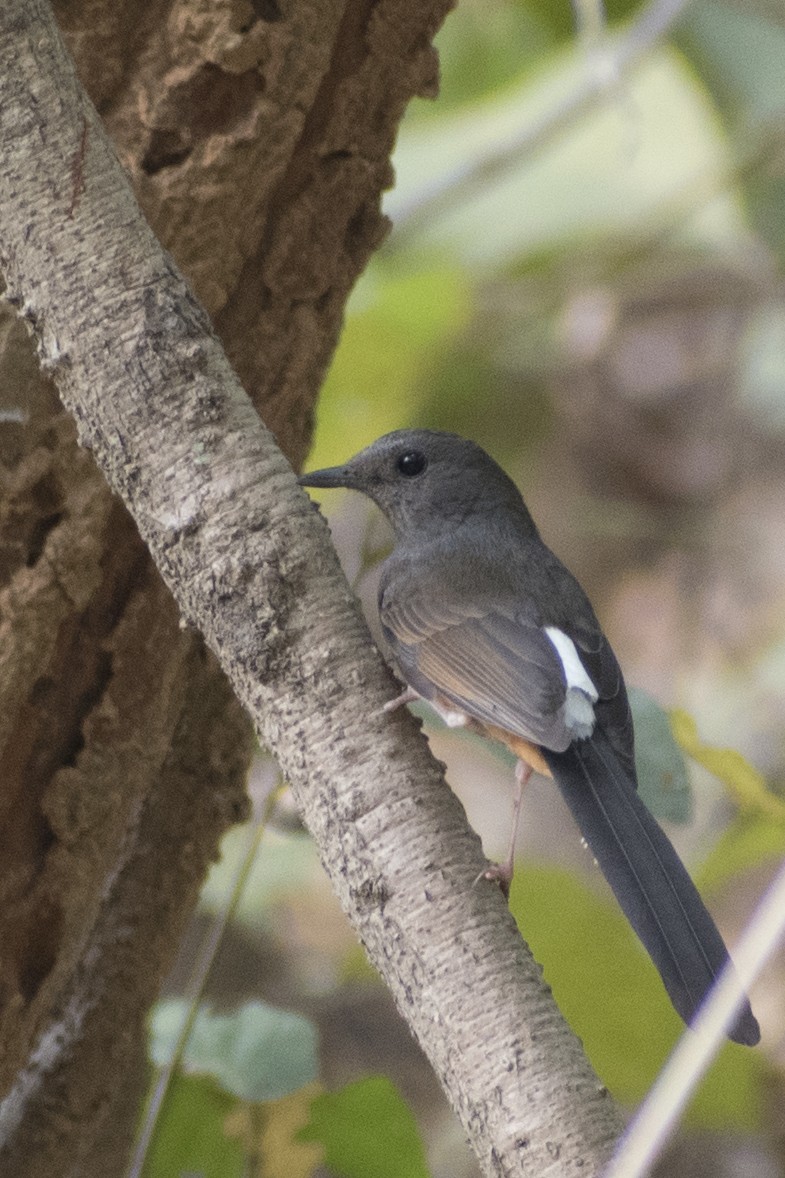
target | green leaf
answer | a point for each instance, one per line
(748, 842)
(368, 1131)
(269, 1135)
(483, 47)
(745, 784)
(613, 998)
(190, 1138)
(739, 53)
(258, 1053)
(562, 17)
(662, 772)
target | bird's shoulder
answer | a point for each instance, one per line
(475, 571)
(511, 586)
(477, 617)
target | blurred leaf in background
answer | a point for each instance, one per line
(615, 170)
(256, 1053)
(615, 1001)
(367, 1132)
(246, 1093)
(270, 1136)
(191, 1138)
(397, 322)
(663, 782)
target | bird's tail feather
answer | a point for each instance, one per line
(648, 879)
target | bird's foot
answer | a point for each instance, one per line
(499, 873)
(502, 873)
(407, 696)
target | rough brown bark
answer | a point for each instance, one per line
(99, 693)
(258, 139)
(251, 565)
(123, 749)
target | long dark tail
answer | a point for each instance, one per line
(647, 877)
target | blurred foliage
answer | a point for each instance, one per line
(256, 1053)
(606, 177)
(270, 1135)
(758, 833)
(248, 1113)
(364, 1130)
(613, 998)
(367, 1130)
(748, 842)
(724, 41)
(397, 322)
(745, 784)
(191, 1137)
(286, 862)
(663, 782)
(585, 275)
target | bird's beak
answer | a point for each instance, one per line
(331, 476)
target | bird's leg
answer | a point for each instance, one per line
(407, 696)
(502, 873)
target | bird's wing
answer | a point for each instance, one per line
(494, 662)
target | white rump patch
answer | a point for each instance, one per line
(581, 692)
(579, 713)
(574, 670)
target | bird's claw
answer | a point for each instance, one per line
(498, 873)
(406, 697)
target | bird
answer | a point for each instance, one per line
(487, 626)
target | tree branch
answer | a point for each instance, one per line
(103, 715)
(251, 566)
(610, 58)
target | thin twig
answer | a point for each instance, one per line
(200, 972)
(460, 185)
(590, 21)
(658, 1116)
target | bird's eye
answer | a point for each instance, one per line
(411, 463)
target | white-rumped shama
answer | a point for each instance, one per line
(488, 625)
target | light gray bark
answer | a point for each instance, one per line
(250, 564)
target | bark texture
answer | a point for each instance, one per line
(105, 828)
(123, 748)
(258, 139)
(250, 564)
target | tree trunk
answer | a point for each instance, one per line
(124, 750)
(250, 564)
